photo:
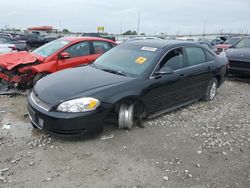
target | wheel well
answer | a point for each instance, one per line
(38, 76)
(139, 105)
(218, 80)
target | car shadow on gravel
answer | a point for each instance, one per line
(239, 78)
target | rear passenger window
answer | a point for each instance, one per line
(195, 56)
(174, 59)
(210, 57)
(101, 47)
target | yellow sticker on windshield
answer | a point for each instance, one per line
(141, 60)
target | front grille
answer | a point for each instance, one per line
(239, 64)
(42, 104)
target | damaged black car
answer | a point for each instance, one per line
(131, 82)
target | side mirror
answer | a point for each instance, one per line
(64, 55)
(164, 71)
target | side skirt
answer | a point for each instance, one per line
(170, 109)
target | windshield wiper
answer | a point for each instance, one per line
(115, 72)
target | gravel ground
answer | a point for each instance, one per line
(201, 145)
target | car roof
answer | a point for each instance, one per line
(159, 43)
(77, 39)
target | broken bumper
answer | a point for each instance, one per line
(14, 80)
(10, 79)
(67, 124)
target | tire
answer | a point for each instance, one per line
(211, 90)
(126, 116)
(38, 77)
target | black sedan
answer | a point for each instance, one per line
(136, 80)
(239, 57)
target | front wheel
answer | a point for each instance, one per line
(211, 90)
(126, 116)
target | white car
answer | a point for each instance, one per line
(6, 48)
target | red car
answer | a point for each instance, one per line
(24, 69)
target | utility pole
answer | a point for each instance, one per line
(139, 19)
(60, 24)
(204, 29)
(121, 28)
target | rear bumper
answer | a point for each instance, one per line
(68, 124)
(239, 67)
(240, 71)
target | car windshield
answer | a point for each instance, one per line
(129, 60)
(50, 48)
(244, 43)
(231, 41)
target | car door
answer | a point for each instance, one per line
(79, 54)
(167, 91)
(199, 71)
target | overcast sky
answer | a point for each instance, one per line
(168, 16)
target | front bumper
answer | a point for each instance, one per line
(68, 124)
(15, 79)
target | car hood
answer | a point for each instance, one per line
(242, 54)
(76, 82)
(13, 59)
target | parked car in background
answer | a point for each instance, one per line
(6, 48)
(208, 45)
(6, 35)
(187, 39)
(142, 38)
(109, 37)
(227, 44)
(239, 57)
(33, 40)
(219, 40)
(24, 69)
(20, 45)
(50, 38)
(135, 80)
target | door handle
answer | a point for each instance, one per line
(182, 75)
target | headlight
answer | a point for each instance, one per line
(84, 104)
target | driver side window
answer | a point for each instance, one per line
(174, 59)
(78, 50)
